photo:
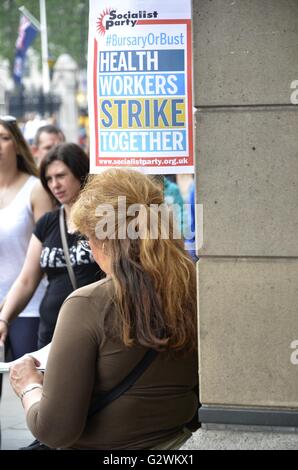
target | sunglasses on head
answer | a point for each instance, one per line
(8, 118)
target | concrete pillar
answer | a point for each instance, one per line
(6, 85)
(245, 59)
(2, 98)
(65, 85)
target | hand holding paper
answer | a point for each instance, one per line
(41, 356)
(24, 373)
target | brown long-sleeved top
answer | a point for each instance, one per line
(83, 363)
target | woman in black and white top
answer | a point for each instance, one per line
(63, 172)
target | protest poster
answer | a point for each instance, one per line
(140, 86)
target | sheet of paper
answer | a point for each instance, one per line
(41, 355)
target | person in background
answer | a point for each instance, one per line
(45, 139)
(63, 172)
(23, 201)
(172, 196)
(147, 302)
(191, 241)
(32, 123)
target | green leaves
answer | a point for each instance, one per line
(67, 23)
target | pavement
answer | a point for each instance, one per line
(15, 433)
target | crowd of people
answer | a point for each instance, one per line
(102, 302)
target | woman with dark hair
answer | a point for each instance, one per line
(70, 155)
(22, 202)
(147, 303)
(62, 172)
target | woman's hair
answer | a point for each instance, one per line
(154, 278)
(72, 156)
(25, 160)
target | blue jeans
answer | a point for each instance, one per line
(22, 336)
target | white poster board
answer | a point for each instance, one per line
(140, 85)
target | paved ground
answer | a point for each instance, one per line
(241, 440)
(15, 433)
(13, 425)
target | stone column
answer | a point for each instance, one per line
(6, 85)
(65, 85)
(245, 59)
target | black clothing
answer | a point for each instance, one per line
(53, 264)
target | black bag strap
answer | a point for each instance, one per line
(65, 249)
(126, 383)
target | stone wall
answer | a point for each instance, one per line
(245, 59)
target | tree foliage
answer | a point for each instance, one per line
(67, 22)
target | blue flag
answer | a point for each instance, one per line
(26, 36)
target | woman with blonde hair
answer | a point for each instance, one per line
(146, 303)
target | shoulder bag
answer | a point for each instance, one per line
(65, 249)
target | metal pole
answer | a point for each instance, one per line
(30, 17)
(44, 47)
